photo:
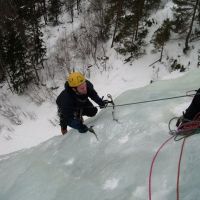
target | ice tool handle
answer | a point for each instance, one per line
(113, 105)
(111, 100)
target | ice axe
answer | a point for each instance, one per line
(113, 105)
(91, 130)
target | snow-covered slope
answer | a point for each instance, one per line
(24, 123)
(76, 166)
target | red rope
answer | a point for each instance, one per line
(194, 124)
(184, 128)
(154, 158)
(189, 126)
(179, 168)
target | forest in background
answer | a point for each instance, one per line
(126, 23)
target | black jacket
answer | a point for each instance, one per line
(69, 103)
(194, 107)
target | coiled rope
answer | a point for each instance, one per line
(191, 127)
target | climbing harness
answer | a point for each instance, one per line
(184, 130)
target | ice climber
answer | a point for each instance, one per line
(73, 102)
(192, 110)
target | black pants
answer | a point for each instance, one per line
(88, 110)
(194, 107)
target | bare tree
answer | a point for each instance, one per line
(119, 5)
(191, 25)
(62, 55)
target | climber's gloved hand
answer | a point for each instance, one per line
(63, 130)
(104, 104)
(83, 129)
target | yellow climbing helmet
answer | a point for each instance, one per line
(75, 79)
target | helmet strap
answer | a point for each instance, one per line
(75, 90)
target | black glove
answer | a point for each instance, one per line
(83, 129)
(104, 104)
(63, 131)
(179, 121)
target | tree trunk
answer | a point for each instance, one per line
(139, 16)
(78, 5)
(190, 29)
(44, 8)
(114, 33)
(136, 31)
(161, 54)
(199, 12)
(72, 13)
(119, 9)
(6, 74)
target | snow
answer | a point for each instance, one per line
(77, 166)
(37, 162)
(111, 184)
